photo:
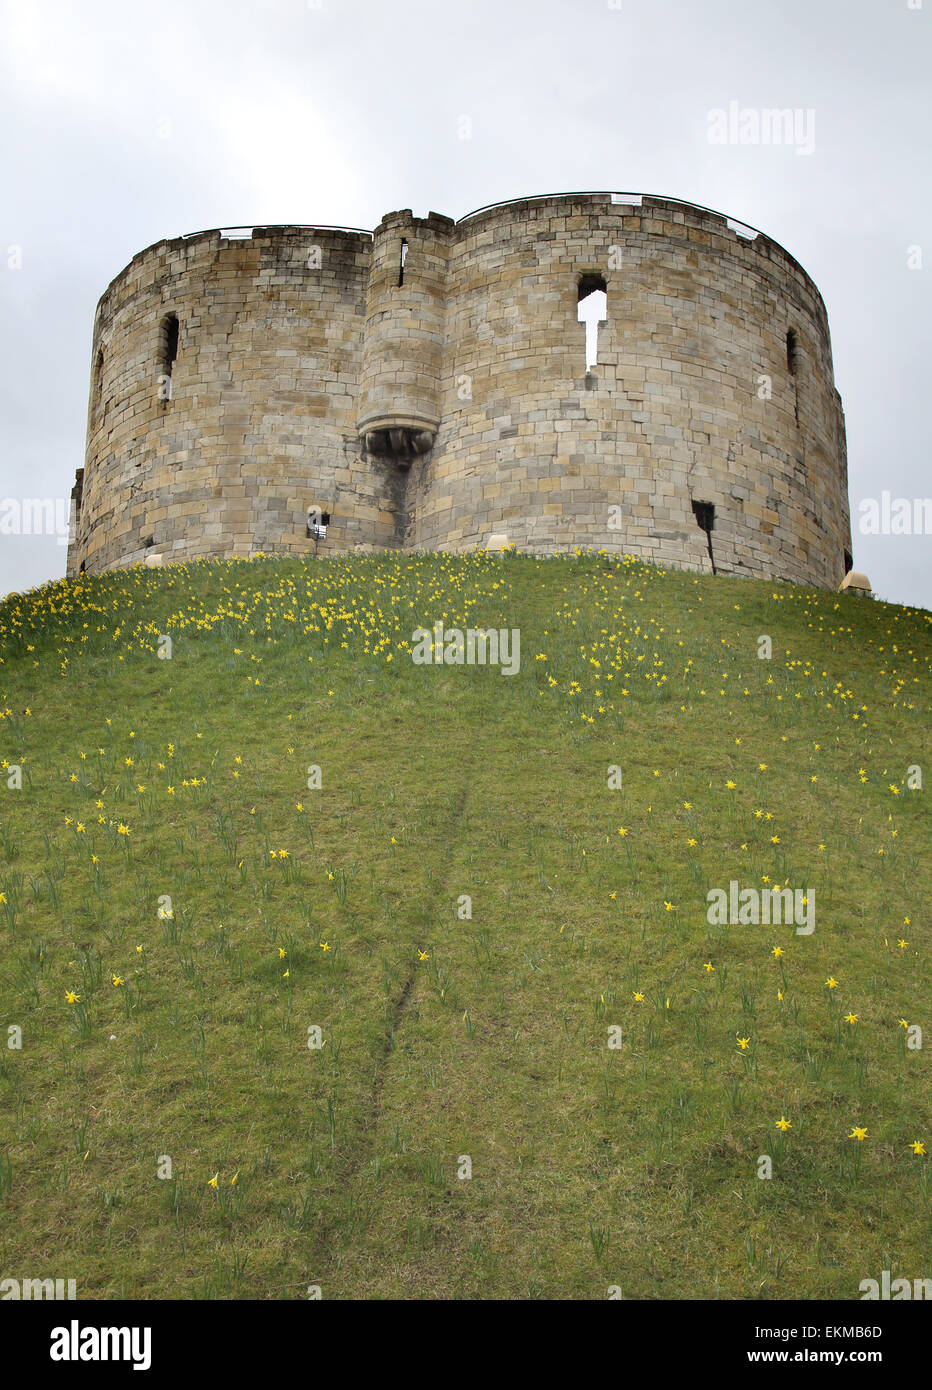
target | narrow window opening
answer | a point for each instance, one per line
(168, 351)
(704, 512)
(98, 378)
(592, 297)
(402, 257)
(171, 341)
(792, 365)
(849, 561)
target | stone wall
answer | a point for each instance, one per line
(261, 423)
(430, 404)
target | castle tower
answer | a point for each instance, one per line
(427, 386)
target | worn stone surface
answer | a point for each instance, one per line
(427, 387)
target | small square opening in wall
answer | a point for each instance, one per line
(704, 512)
(317, 523)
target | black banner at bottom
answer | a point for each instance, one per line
(213, 1337)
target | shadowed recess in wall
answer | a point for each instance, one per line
(704, 512)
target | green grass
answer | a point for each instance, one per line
(447, 1035)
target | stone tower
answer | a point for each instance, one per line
(425, 386)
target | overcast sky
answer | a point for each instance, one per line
(127, 122)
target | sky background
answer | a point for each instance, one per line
(126, 122)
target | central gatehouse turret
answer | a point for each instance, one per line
(403, 353)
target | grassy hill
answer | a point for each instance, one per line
(474, 914)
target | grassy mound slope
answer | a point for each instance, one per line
(474, 914)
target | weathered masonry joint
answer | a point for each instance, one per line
(618, 371)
